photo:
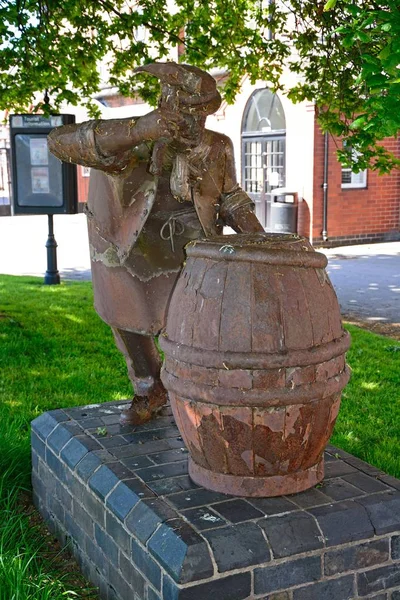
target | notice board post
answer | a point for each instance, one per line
(42, 185)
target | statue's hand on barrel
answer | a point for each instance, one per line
(237, 212)
(245, 221)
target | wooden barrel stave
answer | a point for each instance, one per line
(261, 442)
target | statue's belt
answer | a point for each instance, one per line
(176, 223)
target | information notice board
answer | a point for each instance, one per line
(41, 183)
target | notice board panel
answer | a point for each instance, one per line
(42, 184)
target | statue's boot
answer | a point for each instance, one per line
(144, 408)
(144, 363)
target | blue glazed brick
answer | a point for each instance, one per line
(35, 461)
(38, 487)
(132, 575)
(283, 576)
(47, 477)
(58, 415)
(379, 579)
(74, 531)
(118, 533)
(103, 481)
(151, 595)
(169, 549)
(119, 586)
(182, 552)
(122, 500)
(83, 519)
(43, 425)
(143, 522)
(396, 547)
(73, 452)
(64, 496)
(87, 466)
(291, 534)
(94, 507)
(353, 558)
(56, 509)
(384, 511)
(343, 522)
(55, 465)
(107, 545)
(233, 587)
(96, 556)
(146, 565)
(170, 590)
(38, 445)
(58, 438)
(328, 590)
(89, 442)
(238, 547)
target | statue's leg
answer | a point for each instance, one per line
(144, 363)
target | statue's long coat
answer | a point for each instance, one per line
(133, 269)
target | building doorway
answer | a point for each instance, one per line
(263, 150)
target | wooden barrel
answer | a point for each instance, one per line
(255, 362)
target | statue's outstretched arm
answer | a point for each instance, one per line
(81, 143)
(108, 144)
(237, 208)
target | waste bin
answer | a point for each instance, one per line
(284, 207)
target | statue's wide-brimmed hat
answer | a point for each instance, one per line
(198, 90)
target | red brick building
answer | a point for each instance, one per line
(360, 208)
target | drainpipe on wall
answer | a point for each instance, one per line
(325, 190)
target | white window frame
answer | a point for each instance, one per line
(353, 179)
(355, 184)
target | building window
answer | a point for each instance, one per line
(353, 180)
(349, 178)
(263, 149)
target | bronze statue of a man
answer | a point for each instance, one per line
(157, 182)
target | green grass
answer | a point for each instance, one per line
(56, 352)
(368, 424)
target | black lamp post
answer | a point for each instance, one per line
(52, 275)
(41, 183)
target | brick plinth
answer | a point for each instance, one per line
(141, 530)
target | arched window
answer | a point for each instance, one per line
(263, 149)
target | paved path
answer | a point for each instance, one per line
(367, 280)
(366, 277)
(23, 239)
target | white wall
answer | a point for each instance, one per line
(299, 136)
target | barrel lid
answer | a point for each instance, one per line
(273, 248)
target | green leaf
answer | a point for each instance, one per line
(362, 36)
(330, 4)
(385, 52)
(358, 123)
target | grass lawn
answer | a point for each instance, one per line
(56, 352)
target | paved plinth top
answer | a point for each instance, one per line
(138, 523)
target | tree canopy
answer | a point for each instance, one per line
(346, 55)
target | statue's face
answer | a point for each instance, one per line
(194, 117)
(175, 99)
